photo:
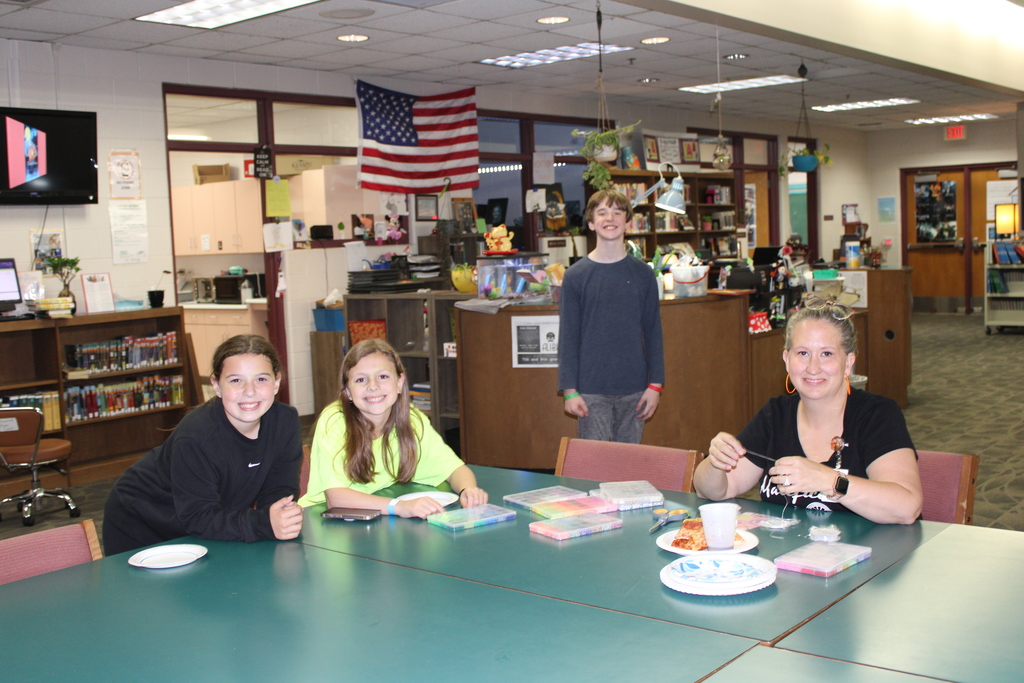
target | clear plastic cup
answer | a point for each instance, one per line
(719, 525)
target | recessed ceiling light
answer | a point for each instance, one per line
(647, 80)
(654, 41)
(353, 38)
(736, 55)
(558, 54)
(868, 104)
(762, 82)
(217, 13)
(951, 119)
(553, 20)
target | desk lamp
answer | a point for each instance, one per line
(1006, 220)
(672, 199)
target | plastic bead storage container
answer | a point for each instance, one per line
(512, 276)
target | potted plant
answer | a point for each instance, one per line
(65, 270)
(804, 160)
(600, 148)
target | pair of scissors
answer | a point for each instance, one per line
(664, 516)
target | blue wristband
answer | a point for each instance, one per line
(391, 506)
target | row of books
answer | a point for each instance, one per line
(1005, 282)
(92, 401)
(1006, 253)
(668, 221)
(1013, 305)
(123, 353)
(419, 394)
(720, 246)
(46, 401)
(718, 194)
(639, 223)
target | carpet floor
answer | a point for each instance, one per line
(966, 396)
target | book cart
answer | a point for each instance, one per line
(1004, 285)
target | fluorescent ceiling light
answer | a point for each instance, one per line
(736, 55)
(655, 41)
(553, 20)
(353, 38)
(743, 84)
(217, 13)
(647, 80)
(951, 119)
(870, 104)
(558, 54)
(191, 138)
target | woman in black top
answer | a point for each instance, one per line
(826, 447)
(228, 471)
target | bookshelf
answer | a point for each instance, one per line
(418, 325)
(1004, 285)
(708, 196)
(140, 401)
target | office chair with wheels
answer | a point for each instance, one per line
(665, 468)
(23, 448)
(948, 481)
(46, 551)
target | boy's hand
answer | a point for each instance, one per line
(285, 519)
(648, 404)
(577, 406)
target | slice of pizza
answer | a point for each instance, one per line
(691, 536)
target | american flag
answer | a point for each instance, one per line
(411, 144)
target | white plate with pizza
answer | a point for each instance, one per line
(745, 541)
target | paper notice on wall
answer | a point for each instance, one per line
(129, 235)
(279, 202)
(855, 288)
(536, 200)
(125, 173)
(535, 341)
(544, 168)
(278, 237)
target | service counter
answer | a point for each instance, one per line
(717, 374)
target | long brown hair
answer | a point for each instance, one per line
(357, 453)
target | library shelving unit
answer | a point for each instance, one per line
(418, 325)
(708, 196)
(1004, 285)
(35, 353)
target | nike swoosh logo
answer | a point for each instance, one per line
(254, 464)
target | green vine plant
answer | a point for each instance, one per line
(787, 159)
(597, 173)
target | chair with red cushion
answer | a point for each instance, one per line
(665, 468)
(23, 448)
(49, 550)
(948, 481)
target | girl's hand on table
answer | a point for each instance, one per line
(471, 496)
(286, 519)
(725, 452)
(418, 507)
(796, 474)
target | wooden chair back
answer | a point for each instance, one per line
(49, 550)
(948, 481)
(666, 468)
(304, 472)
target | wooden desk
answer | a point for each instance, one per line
(618, 569)
(950, 610)
(273, 612)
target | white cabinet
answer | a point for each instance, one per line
(218, 218)
(1004, 285)
(211, 325)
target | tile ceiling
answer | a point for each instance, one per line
(438, 41)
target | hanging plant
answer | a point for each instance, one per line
(601, 148)
(804, 160)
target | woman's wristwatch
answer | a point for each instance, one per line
(839, 488)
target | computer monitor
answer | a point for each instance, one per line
(10, 288)
(765, 256)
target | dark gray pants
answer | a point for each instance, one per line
(612, 418)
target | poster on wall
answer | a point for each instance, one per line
(935, 204)
(125, 174)
(129, 234)
(750, 213)
(535, 341)
(45, 243)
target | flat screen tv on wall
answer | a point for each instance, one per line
(49, 156)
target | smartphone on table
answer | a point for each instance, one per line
(351, 514)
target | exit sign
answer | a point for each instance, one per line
(956, 132)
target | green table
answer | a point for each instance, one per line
(772, 665)
(278, 612)
(617, 569)
(950, 610)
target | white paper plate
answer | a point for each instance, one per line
(167, 556)
(750, 541)
(445, 498)
(718, 574)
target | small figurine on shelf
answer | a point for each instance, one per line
(499, 240)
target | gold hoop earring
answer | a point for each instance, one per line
(847, 385)
(788, 390)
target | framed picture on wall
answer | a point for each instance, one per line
(426, 207)
(465, 214)
(691, 151)
(496, 209)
